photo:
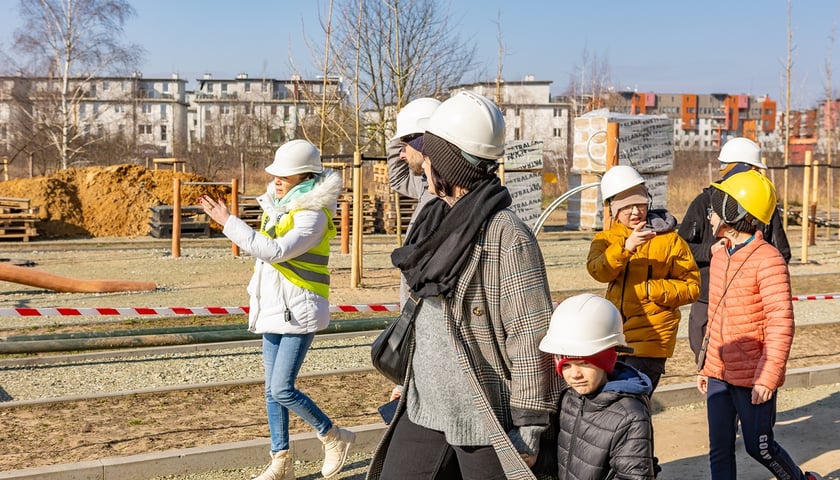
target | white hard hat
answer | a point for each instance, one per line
(741, 150)
(472, 123)
(414, 117)
(584, 325)
(618, 179)
(294, 157)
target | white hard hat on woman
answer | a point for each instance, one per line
(464, 138)
(294, 157)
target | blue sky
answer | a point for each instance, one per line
(663, 46)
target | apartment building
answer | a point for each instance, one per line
(706, 121)
(531, 113)
(149, 113)
(256, 112)
(158, 116)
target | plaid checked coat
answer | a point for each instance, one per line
(496, 317)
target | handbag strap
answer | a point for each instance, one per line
(405, 321)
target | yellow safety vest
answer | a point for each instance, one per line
(310, 270)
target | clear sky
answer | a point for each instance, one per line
(662, 46)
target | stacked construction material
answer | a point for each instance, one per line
(645, 142)
(194, 222)
(393, 209)
(17, 219)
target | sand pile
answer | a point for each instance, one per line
(110, 201)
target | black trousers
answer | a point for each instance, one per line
(652, 367)
(698, 317)
(418, 453)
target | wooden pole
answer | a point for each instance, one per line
(812, 208)
(806, 183)
(176, 217)
(242, 171)
(398, 222)
(234, 210)
(612, 160)
(356, 256)
(345, 228)
(501, 170)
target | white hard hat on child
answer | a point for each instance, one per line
(294, 157)
(741, 150)
(584, 325)
(414, 117)
(619, 179)
(472, 123)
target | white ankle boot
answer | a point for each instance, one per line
(336, 445)
(282, 467)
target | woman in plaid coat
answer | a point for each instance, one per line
(478, 393)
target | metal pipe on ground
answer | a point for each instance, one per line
(112, 341)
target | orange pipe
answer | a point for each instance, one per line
(34, 278)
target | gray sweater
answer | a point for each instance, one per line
(438, 397)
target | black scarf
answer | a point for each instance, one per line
(438, 245)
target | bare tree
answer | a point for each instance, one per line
(69, 43)
(405, 49)
(590, 82)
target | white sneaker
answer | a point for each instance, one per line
(336, 445)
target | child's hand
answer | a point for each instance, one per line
(702, 383)
(639, 236)
(761, 394)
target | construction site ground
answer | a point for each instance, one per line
(207, 274)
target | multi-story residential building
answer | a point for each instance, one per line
(531, 113)
(256, 112)
(827, 115)
(149, 113)
(704, 122)
(159, 117)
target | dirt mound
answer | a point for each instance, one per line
(112, 201)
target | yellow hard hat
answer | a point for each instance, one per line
(754, 193)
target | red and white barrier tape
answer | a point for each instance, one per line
(825, 296)
(206, 311)
(198, 311)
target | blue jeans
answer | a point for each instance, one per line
(727, 404)
(282, 357)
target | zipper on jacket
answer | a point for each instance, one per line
(570, 453)
(621, 307)
(727, 282)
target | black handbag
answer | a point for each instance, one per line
(389, 352)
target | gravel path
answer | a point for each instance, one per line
(101, 374)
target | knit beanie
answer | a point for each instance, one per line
(742, 225)
(605, 360)
(633, 196)
(737, 168)
(451, 164)
(417, 143)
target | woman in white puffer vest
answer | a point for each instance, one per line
(289, 292)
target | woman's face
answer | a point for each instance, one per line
(427, 169)
(282, 185)
(583, 377)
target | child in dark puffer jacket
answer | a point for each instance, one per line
(603, 420)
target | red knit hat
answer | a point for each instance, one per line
(605, 360)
